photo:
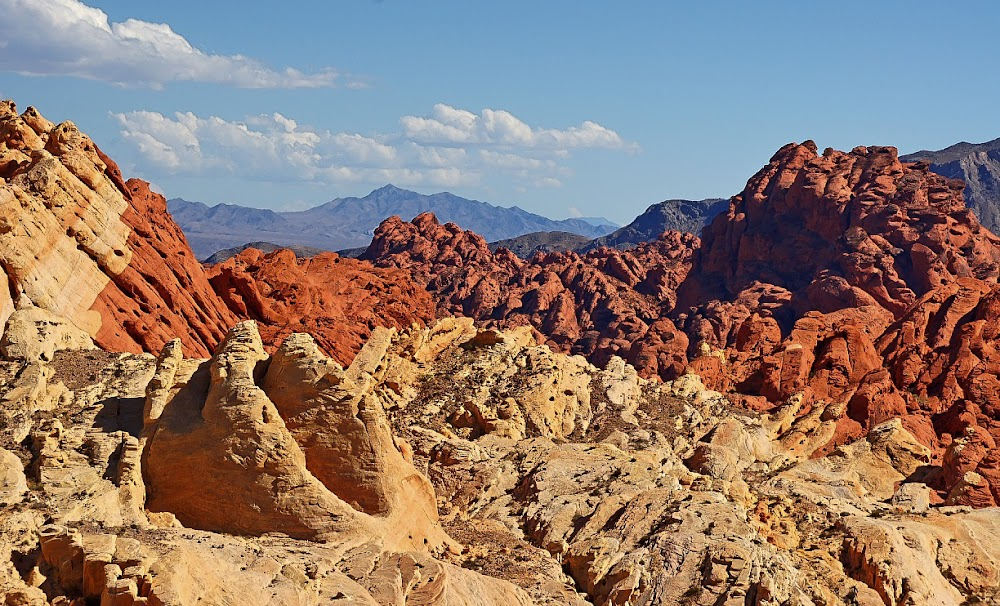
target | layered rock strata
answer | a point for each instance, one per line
(103, 254)
(78, 241)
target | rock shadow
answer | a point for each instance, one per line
(120, 414)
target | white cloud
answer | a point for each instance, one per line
(548, 182)
(69, 38)
(276, 148)
(498, 128)
(513, 161)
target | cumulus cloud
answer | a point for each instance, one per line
(276, 148)
(450, 126)
(69, 38)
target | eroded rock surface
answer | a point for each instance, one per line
(451, 465)
(827, 419)
(102, 254)
(861, 283)
(605, 303)
(178, 481)
(34, 334)
(339, 301)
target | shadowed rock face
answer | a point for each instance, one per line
(670, 215)
(848, 278)
(301, 252)
(546, 241)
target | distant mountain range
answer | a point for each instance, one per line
(543, 241)
(302, 252)
(681, 215)
(978, 164)
(350, 222)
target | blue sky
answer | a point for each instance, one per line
(561, 107)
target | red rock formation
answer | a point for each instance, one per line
(850, 278)
(885, 298)
(339, 301)
(78, 241)
(163, 293)
(601, 304)
(859, 282)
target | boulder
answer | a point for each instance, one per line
(35, 334)
(13, 484)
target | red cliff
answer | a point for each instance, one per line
(104, 254)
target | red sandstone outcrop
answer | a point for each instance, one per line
(880, 285)
(851, 280)
(78, 241)
(339, 301)
(859, 284)
(163, 293)
(604, 303)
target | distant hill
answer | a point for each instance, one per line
(546, 241)
(952, 152)
(350, 222)
(227, 253)
(681, 215)
(978, 164)
(599, 222)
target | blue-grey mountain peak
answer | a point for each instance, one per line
(350, 222)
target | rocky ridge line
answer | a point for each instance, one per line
(104, 256)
